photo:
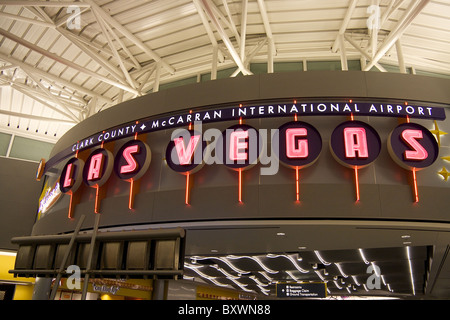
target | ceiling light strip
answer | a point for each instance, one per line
(291, 259)
(259, 262)
(321, 259)
(410, 270)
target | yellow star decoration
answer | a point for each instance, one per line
(447, 158)
(444, 173)
(438, 133)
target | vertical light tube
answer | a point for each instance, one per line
(186, 199)
(240, 185)
(416, 191)
(357, 184)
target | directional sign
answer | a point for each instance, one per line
(301, 290)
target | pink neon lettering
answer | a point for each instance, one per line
(419, 152)
(185, 154)
(68, 178)
(299, 150)
(238, 145)
(95, 167)
(355, 140)
(131, 162)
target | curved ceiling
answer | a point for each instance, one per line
(62, 61)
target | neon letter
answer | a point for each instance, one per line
(355, 140)
(236, 145)
(185, 155)
(301, 149)
(95, 167)
(131, 162)
(419, 152)
(68, 182)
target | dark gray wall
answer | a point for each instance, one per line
(310, 84)
(19, 195)
(327, 188)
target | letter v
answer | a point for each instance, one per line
(185, 154)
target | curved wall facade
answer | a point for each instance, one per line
(326, 189)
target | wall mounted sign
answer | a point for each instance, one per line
(354, 144)
(301, 290)
(412, 146)
(282, 109)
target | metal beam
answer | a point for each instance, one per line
(33, 117)
(225, 38)
(397, 32)
(364, 53)
(129, 35)
(66, 62)
(42, 3)
(17, 17)
(106, 30)
(348, 16)
(45, 75)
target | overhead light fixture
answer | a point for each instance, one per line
(408, 253)
(257, 260)
(321, 259)
(363, 256)
(340, 270)
(281, 234)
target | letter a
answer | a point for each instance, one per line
(355, 140)
(95, 167)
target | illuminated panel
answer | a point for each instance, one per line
(296, 148)
(185, 154)
(95, 167)
(132, 160)
(238, 145)
(68, 181)
(241, 147)
(98, 167)
(71, 176)
(131, 165)
(299, 144)
(355, 143)
(418, 152)
(186, 159)
(412, 146)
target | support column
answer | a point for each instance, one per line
(42, 288)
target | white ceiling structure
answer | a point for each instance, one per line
(62, 61)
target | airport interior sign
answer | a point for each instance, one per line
(302, 290)
(297, 144)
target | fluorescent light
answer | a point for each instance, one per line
(291, 259)
(321, 259)
(410, 270)
(8, 253)
(256, 260)
(340, 270)
(362, 256)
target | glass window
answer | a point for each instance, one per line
(4, 143)
(29, 149)
(323, 65)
